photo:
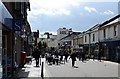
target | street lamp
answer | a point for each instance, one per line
(65, 43)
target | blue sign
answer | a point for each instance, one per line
(17, 25)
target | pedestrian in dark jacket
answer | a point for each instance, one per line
(83, 56)
(73, 57)
(66, 56)
(36, 55)
(100, 55)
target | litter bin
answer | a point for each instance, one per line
(23, 58)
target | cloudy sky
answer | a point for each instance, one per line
(80, 15)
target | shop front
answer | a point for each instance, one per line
(5, 42)
(111, 50)
(93, 47)
(86, 48)
(1, 51)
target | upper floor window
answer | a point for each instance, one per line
(93, 37)
(104, 33)
(115, 30)
(85, 38)
(62, 32)
(17, 6)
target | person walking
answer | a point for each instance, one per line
(100, 55)
(66, 56)
(61, 56)
(83, 56)
(73, 57)
(36, 55)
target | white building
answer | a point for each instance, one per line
(86, 37)
(109, 38)
(105, 37)
(90, 38)
(91, 35)
(62, 32)
(94, 34)
(42, 37)
(52, 41)
(110, 31)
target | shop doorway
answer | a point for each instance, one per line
(4, 55)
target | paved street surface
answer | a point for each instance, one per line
(89, 69)
(30, 70)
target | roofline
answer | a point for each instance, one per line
(71, 34)
(110, 20)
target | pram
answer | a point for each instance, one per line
(50, 60)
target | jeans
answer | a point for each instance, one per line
(37, 61)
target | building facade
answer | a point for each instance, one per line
(62, 32)
(104, 38)
(77, 43)
(86, 41)
(94, 39)
(67, 41)
(109, 39)
(52, 41)
(13, 22)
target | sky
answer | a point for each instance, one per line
(80, 15)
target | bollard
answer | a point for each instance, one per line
(40, 60)
(42, 74)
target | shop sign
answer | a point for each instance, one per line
(17, 25)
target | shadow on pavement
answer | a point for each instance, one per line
(22, 73)
(37, 66)
(75, 67)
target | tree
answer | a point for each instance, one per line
(42, 46)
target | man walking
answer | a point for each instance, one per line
(73, 57)
(36, 55)
(83, 56)
(66, 56)
(100, 55)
